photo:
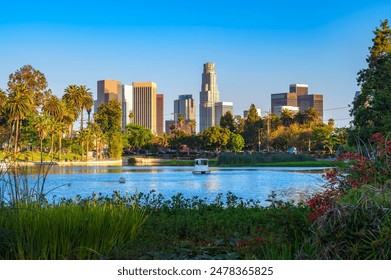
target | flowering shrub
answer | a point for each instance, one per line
(374, 169)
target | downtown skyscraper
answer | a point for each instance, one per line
(209, 95)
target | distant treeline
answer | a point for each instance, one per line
(254, 159)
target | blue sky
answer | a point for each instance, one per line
(259, 47)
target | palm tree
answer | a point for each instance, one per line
(192, 126)
(53, 106)
(86, 103)
(19, 104)
(3, 98)
(98, 137)
(41, 125)
(300, 118)
(73, 102)
(287, 117)
(312, 116)
(61, 127)
(181, 121)
(85, 137)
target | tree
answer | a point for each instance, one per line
(311, 116)
(300, 118)
(371, 110)
(177, 139)
(34, 80)
(18, 106)
(216, 138)
(109, 119)
(98, 137)
(41, 124)
(137, 136)
(228, 121)
(287, 117)
(252, 127)
(86, 103)
(86, 137)
(80, 98)
(192, 126)
(236, 142)
(322, 135)
(181, 121)
(109, 116)
(161, 140)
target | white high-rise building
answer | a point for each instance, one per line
(221, 108)
(127, 104)
(209, 95)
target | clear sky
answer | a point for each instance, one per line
(259, 47)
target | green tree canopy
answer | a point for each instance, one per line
(371, 110)
(137, 136)
(228, 121)
(109, 116)
(252, 127)
(34, 80)
(236, 142)
(216, 138)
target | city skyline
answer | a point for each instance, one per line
(259, 48)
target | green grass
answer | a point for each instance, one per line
(36, 156)
(88, 231)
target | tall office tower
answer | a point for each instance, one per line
(311, 100)
(144, 104)
(299, 89)
(159, 113)
(221, 108)
(283, 99)
(186, 106)
(108, 90)
(127, 104)
(209, 95)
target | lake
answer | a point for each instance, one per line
(248, 183)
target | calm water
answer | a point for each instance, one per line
(248, 183)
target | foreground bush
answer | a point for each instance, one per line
(352, 217)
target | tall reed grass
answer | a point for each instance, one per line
(88, 231)
(32, 228)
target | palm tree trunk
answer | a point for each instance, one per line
(87, 151)
(81, 119)
(16, 135)
(52, 146)
(11, 133)
(40, 148)
(59, 146)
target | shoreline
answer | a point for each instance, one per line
(173, 162)
(119, 162)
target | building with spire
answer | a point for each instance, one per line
(209, 95)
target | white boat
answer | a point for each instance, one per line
(201, 166)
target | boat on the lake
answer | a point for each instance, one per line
(201, 166)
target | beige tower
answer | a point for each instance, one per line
(144, 105)
(209, 95)
(108, 90)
